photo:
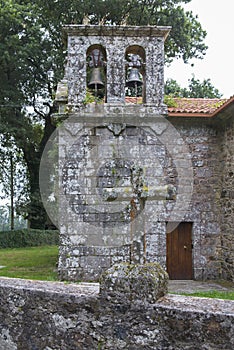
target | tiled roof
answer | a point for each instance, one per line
(192, 107)
(131, 99)
(196, 105)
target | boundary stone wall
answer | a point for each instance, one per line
(36, 315)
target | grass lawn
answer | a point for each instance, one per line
(38, 263)
(213, 294)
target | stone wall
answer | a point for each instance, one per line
(204, 212)
(212, 151)
(92, 239)
(227, 199)
(54, 316)
(96, 233)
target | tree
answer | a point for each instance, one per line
(5, 225)
(172, 88)
(186, 39)
(12, 177)
(26, 55)
(203, 89)
(32, 55)
(196, 89)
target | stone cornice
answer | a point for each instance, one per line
(130, 31)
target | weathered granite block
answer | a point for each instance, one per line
(147, 282)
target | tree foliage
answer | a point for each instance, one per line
(32, 56)
(186, 39)
(196, 89)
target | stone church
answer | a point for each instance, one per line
(140, 181)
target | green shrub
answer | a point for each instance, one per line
(28, 238)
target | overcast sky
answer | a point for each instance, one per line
(217, 18)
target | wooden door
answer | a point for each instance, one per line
(179, 252)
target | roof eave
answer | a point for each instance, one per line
(189, 115)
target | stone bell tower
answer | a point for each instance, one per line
(113, 180)
(116, 44)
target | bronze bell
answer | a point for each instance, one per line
(134, 78)
(96, 82)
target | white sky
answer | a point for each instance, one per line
(217, 18)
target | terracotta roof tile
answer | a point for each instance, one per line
(192, 106)
(196, 105)
(131, 99)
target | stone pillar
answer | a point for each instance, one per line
(155, 71)
(76, 70)
(115, 73)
